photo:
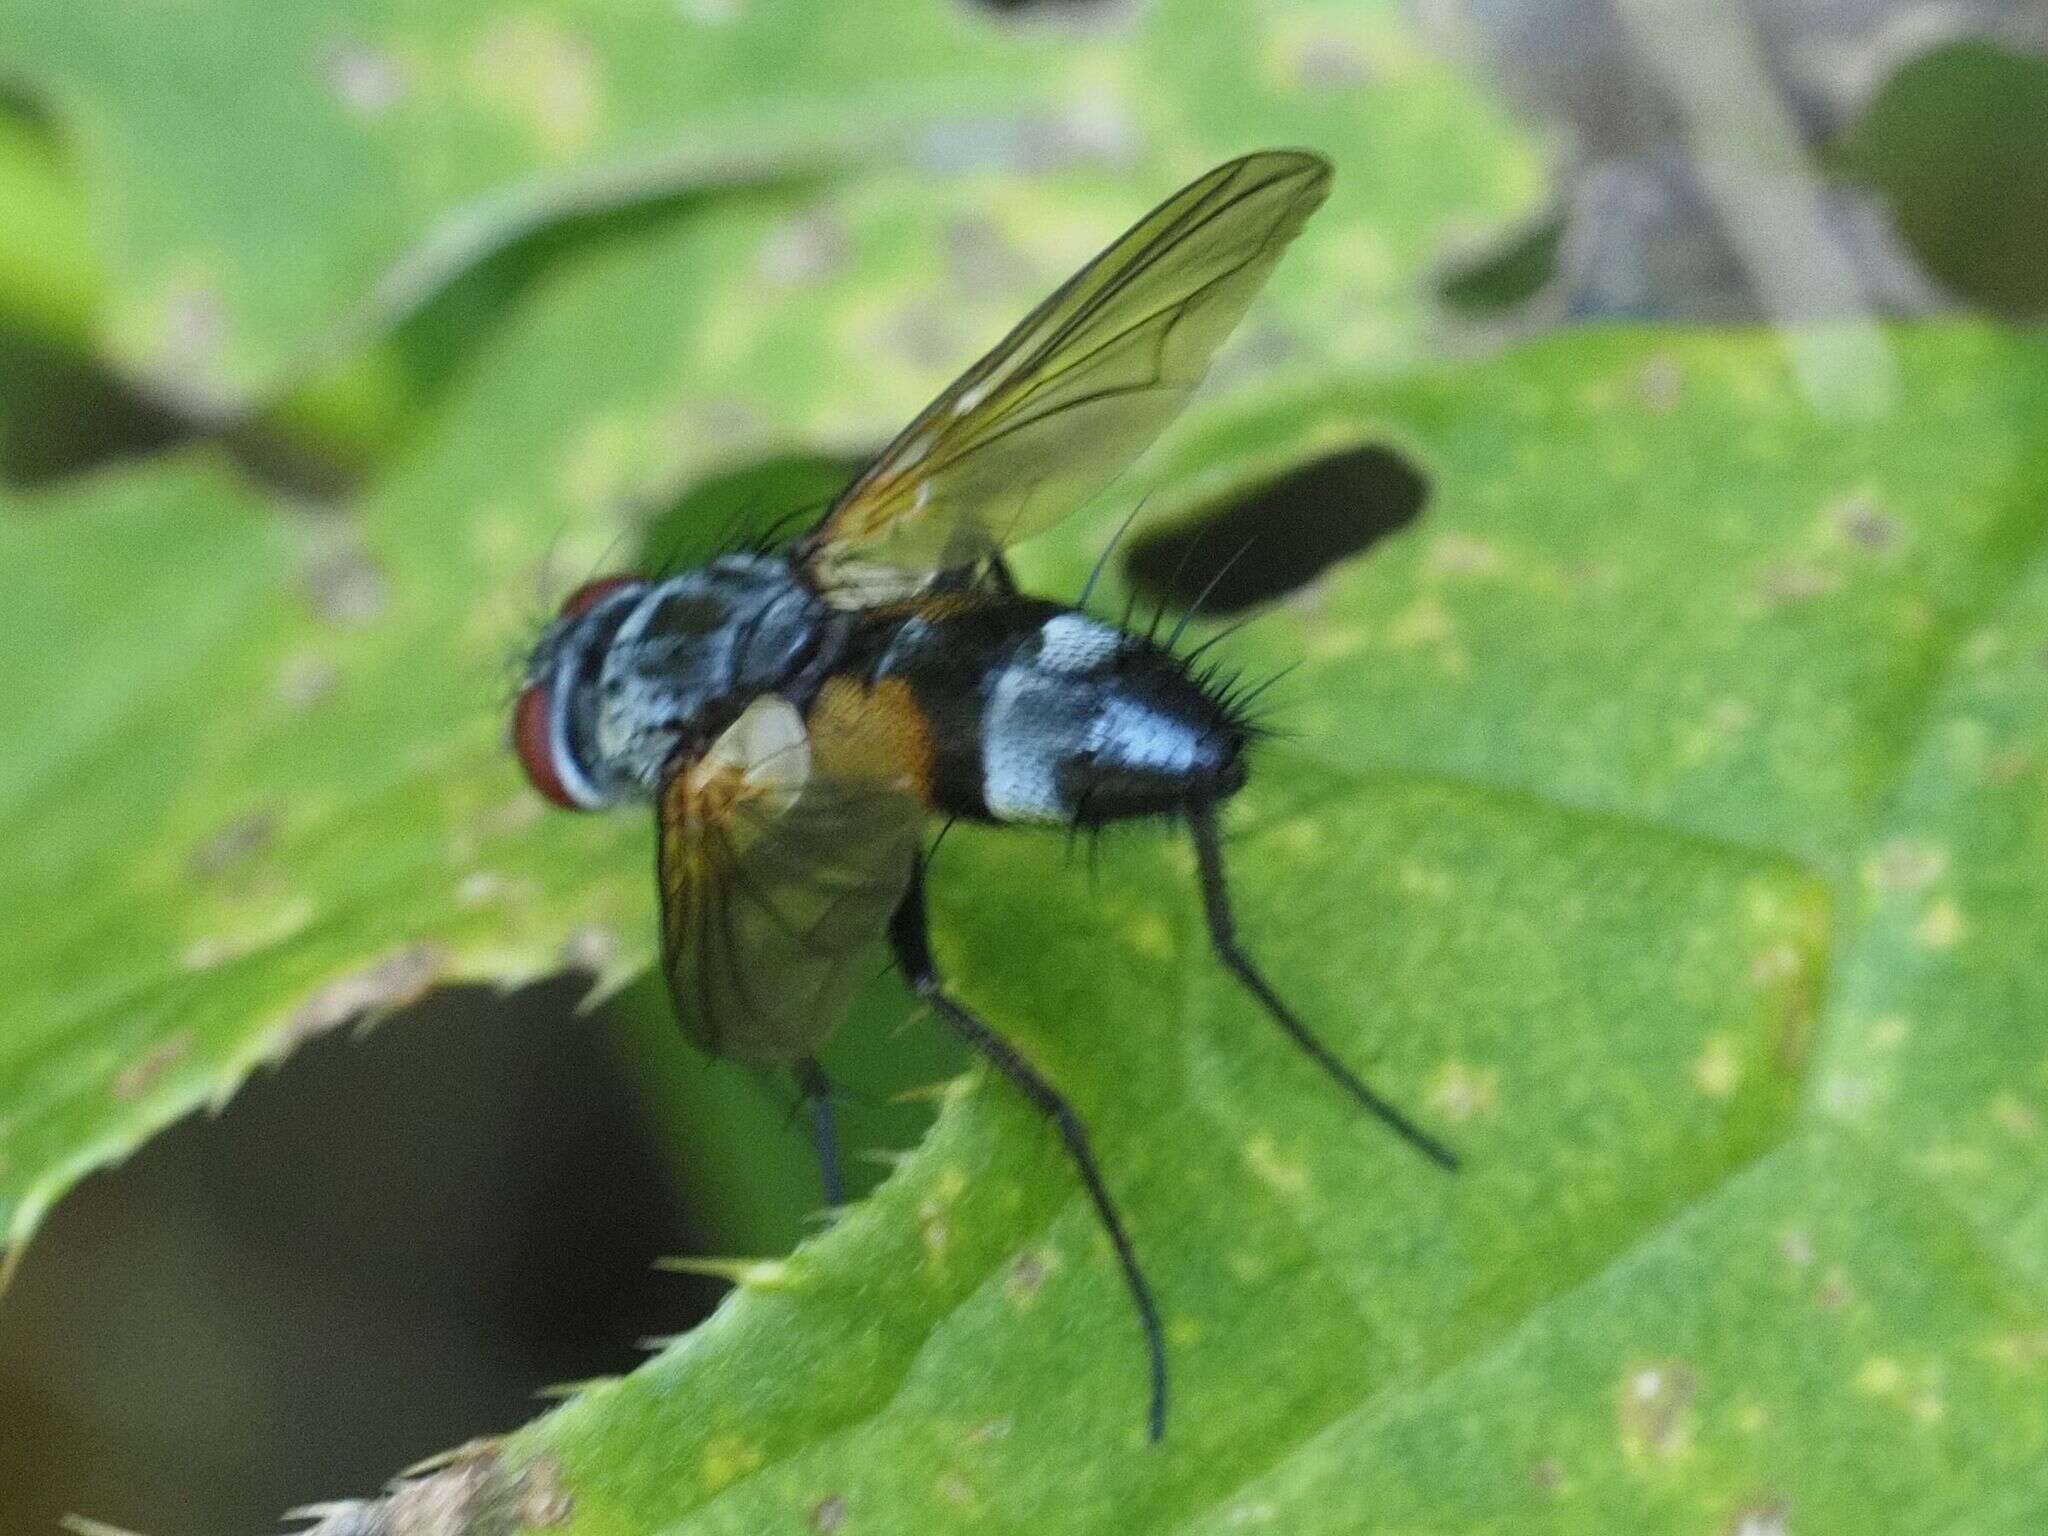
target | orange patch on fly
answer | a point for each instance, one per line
(873, 733)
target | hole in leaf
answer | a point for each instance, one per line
(379, 1252)
(1279, 536)
(389, 1246)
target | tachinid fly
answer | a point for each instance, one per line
(798, 718)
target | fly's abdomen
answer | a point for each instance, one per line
(1041, 715)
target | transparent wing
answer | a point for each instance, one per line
(1077, 391)
(776, 877)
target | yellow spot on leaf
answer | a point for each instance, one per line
(542, 76)
(147, 1070)
(1653, 1411)
(1330, 643)
(727, 1459)
(1771, 966)
(1282, 1174)
(1943, 927)
(1462, 555)
(2015, 1117)
(1889, 1032)
(2020, 1351)
(1152, 936)
(1461, 1092)
(1422, 622)
(1425, 880)
(1904, 864)
(1718, 1069)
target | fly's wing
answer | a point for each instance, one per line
(777, 874)
(1076, 392)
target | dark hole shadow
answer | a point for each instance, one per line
(61, 415)
(377, 1253)
(1279, 536)
(389, 1246)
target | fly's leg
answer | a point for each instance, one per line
(1223, 938)
(817, 1092)
(907, 937)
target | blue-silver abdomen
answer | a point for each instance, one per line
(1043, 715)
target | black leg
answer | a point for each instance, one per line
(1223, 936)
(817, 1090)
(913, 953)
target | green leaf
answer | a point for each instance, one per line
(264, 175)
(1662, 822)
(273, 182)
(1738, 1049)
(1751, 1221)
(1651, 579)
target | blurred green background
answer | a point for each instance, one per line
(395, 1242)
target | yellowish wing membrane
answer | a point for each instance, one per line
(777, 874)
(1078, 390)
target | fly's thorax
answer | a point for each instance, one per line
(653, 666)
(1068, 720)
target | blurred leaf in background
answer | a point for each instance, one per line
(1659, 816)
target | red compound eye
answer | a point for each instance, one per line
(536, 754)
(587, 596)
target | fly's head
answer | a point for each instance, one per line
(555, 717)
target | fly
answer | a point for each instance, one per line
(797, 718)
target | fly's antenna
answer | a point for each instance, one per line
(1102, 560)
(1223, 939)
(1208, 589)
